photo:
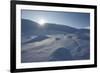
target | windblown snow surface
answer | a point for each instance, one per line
(57, 43)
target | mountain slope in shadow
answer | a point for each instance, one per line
(30, 27)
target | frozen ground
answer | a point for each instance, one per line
(56, 47)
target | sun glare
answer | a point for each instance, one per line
(42, 22)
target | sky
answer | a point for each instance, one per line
(72, 19)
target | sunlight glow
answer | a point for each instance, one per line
(42, 22)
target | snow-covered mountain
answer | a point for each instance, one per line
(53, 42)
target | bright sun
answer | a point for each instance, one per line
(42, 22)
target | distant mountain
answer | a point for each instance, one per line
(28, 27)
(57, 27)
(32, 28)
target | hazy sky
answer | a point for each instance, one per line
(73, 19)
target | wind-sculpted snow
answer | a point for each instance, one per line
(55, 45)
